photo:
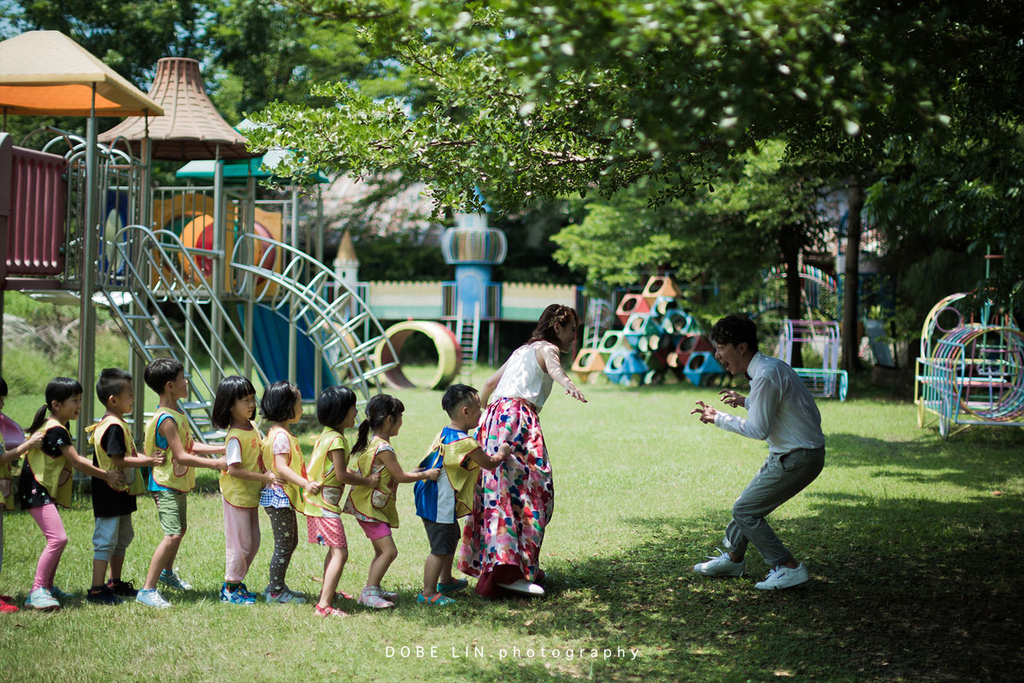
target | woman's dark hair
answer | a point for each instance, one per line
(230, 389)
(380, 408)
(278, 404)
(333, 405)
(59, 389)
(734, 330)
(554, 313)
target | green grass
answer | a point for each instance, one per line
(915, 564)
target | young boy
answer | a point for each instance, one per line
(168, 433)
(114, 448)
(440, 503)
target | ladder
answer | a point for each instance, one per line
(148, 286)
(467, 333)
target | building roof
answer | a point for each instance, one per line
(192, 128)
(47, 73)
(346, 250)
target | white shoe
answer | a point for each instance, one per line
(523, 587)
(720, 566)
(42, 599)
(784, 577)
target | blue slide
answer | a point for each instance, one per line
(270, 348)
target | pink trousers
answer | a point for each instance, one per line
(52, 527)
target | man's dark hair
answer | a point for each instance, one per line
(112, 382)
(160, 372)
(735, 330)
(455, 396)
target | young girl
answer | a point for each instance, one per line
(336, 411)
(282, 405)
(234, 408)
(6, 489)
(46, 482)
(374, 506)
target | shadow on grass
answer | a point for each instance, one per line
(901, 590)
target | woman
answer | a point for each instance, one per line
(514, 502)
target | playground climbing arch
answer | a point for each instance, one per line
(449, 353)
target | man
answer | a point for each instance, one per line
(782, 412)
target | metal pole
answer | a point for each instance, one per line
(137, 365)
(250, 294)
(87, 311)
(292, 323)
(220, 229)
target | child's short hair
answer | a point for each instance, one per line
(278, 404)
(230, 389)
(3, 387)
(160, 372)
(455, 396)
(734, 330)
(333, 404)
(112, 382)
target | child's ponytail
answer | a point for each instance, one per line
(39, 419)
(363, 438)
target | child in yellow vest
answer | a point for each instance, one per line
(168, 433)
(374, 506)
(46, 482)
(234, 408)
(282, 405)
(336, 411)
(7, 486)
(114, 449)
(440, 503)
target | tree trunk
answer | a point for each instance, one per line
(851, 280)
(790, 244)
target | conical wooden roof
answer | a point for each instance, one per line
(191, 127)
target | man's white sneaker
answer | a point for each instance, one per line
(720, 566)
(523, 587)
(783, 577)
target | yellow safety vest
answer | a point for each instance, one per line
(244, 493)
(53, 473)
(293, 492)
(133, 482)
(321, 469)
(376, 503)
(171, 475)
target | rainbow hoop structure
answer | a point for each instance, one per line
(969, 373)
(824, 338)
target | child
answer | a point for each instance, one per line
(113, 506)
(168, 434)
(234, 408)
(374, 506)
(336, 411)
(441, 503)
(6, 488)
(46, 482)
(282, 405)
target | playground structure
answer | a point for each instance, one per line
(209, 275)
(657, 337)
(969, 372)
(824, 339)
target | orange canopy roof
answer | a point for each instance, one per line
(45, 72)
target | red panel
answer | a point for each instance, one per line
(36, 234)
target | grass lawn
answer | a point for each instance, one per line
(914, 556)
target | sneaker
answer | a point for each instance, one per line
(246, 592)
(720, 566)
(5, 605)
(286, 595)
(372, 597)
(42, 600)
(61, 595)
(453, 587)
(784, 577)
(523, 587)
(387, 595)
(171, 578)
(235, 597)
(125, 589)
(102, 596)
(435, 599)
(152, 598)
(328, 612)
